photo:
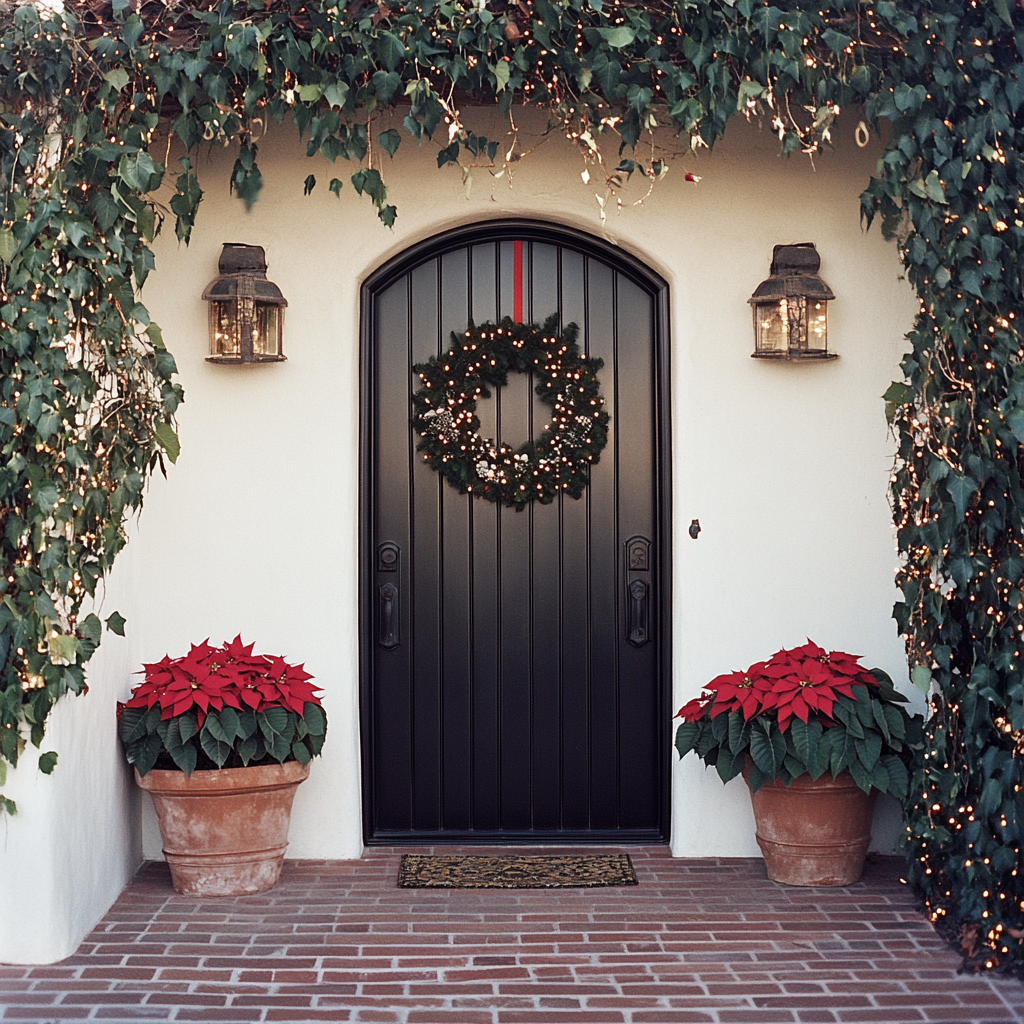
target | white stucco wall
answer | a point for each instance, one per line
(255, 530)
(75, 841)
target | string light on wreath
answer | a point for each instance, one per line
(481, 358)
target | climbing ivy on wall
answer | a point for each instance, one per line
(88, 391)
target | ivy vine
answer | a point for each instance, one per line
(87, 385)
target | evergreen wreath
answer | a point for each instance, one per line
(481, 358)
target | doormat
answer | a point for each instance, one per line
(515, 872)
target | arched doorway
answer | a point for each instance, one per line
(515, 665)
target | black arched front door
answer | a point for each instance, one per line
(515, 665)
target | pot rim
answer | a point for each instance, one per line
(223, 780)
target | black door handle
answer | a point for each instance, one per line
(387, 600)
(638, 624)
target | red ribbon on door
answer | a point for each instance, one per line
(517, 282)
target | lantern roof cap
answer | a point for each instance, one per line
(794, 272)
(243, 272)
(238, 258)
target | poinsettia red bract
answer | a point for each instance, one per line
(212, 678)
(800, 683)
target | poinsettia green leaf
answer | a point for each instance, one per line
(187, 725)
(880, 777)
(687, 734)
(147, 753)
(185, 757)
(763, 749)
(315, 718)
(845, 711)
(216, 728)
(231, 724)
(860, 775)
(899, 777)
(739, 732)
(246, 750)
(869, 750)
(216, 749)
(880, 719)
(757, 777)
(728, 764)
(896, 722)
(132, 724)
(842, 749)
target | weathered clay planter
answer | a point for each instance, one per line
(225, 832)
(813, 832)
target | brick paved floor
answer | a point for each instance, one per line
(699, 940)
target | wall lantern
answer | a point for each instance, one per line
(246, 310)
(790, 319)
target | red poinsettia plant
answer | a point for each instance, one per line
(218, 707)
(804, 710)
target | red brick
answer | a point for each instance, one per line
(108, 998)
(242, 1014)
(670, 1017)
(187, 999)
(120, 973)
(325, 1015)
(891, 1015)
(484, 974)
(45, 1013)
(558, 1017)
(449, 1017)
(754, 1016)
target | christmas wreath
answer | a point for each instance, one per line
(445, 413)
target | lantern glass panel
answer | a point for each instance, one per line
(772, 323)
(225, 338)
(266, 331)
(817, 325)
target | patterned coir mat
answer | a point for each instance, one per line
(515, 872)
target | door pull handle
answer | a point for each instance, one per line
(639, 613)
(387, 600)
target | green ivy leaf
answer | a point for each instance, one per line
(390, 50)
(962, 487)
(115, 623)
(921, 677)
(502, 72)
(8, 245)
(336, 93)
(118, 78)
(389, 141)
(618, 37)
(168, 440)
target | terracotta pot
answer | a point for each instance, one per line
(813, 832)
(225, 832)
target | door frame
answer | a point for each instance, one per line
(625, 263)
